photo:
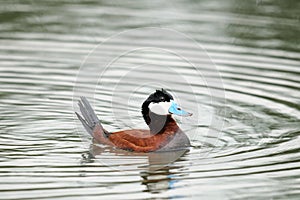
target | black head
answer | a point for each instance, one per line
(159, 96)
(158, 108)
(156, 97)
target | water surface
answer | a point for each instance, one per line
(253, 153)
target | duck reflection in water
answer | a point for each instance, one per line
(157, 169)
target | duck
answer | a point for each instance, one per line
(163, 134)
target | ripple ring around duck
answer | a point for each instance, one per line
(144, 60)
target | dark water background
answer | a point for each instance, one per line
(253, 154)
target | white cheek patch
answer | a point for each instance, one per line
(161, 108)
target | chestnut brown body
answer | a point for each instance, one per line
(170, 138)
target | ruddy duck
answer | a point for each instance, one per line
(163, 135)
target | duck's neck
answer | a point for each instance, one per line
(161, 123)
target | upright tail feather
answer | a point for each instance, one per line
(88, 119)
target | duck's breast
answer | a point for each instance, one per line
(178, 142)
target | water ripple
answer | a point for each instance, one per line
(45, 155)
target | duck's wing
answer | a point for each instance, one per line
(136, 140)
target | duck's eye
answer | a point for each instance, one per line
(178, 108)
(162, 98)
